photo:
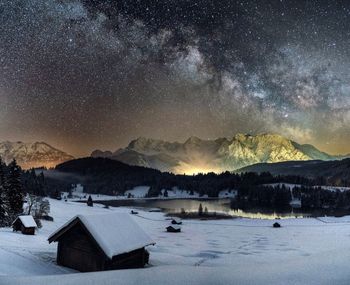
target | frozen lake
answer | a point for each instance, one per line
(220, 206)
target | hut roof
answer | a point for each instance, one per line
(177, 220)
(115, 233)
(175, 227)
(27, 221)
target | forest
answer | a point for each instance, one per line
(105, 176)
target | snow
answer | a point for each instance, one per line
(174, 275)
(78, 189)
(234, 251)
(176, 193)
(27, 221)
(335, 188)
(138, 191)
(291, 186)
(116, 233)
(229, 193)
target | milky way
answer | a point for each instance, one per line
(95, 74)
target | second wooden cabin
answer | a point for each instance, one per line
(25, 224)
(176, 221)
(101, 242)
(173, 229)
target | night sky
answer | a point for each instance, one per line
(90, 74)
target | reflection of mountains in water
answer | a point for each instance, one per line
(221, 206)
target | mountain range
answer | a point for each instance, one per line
(192, 156)
(197, 155)
(30, 155)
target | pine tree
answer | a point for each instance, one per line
(205, 211)
(14, 190)
(200, 210)
(3, 200)
(89, 202)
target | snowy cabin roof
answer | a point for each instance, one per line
(115, 233)
(27, 221)
(175, 227)
(176, 220)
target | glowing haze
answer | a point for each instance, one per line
(87, 74)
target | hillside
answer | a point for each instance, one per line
(103, 175)
(333, 170)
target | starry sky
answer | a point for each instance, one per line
(90, 74)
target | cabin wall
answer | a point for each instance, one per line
(76, 250)
(134, 259)
(18, 226)
(28, 231)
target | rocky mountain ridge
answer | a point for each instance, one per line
(197, 155)
(36, 154)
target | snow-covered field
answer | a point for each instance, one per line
(237, 251)
(140, 192)
(291, 186)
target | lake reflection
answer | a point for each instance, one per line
(220, 206)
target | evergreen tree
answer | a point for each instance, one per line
(205, 211)
(89, 202)
(200, 210)
(3, 200)
(14, 190)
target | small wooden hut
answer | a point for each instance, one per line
(24, 224)
(173, 229)
(176, 221)
(101, 242)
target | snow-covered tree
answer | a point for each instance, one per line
(31, 200)
(14, 190)
(3, 196)
(44, 208)
(165, 193)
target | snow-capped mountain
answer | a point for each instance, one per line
(35, 154)
(197, 155)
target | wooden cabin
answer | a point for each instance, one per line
(25, 224)
(176, 221)
(101, 242)
(173, 229)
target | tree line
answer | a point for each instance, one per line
(105, 176)
(11, 192)
(18, 186)
(110, 177)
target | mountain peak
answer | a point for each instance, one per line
(216, 155)
(193, 140)
(32, 154)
